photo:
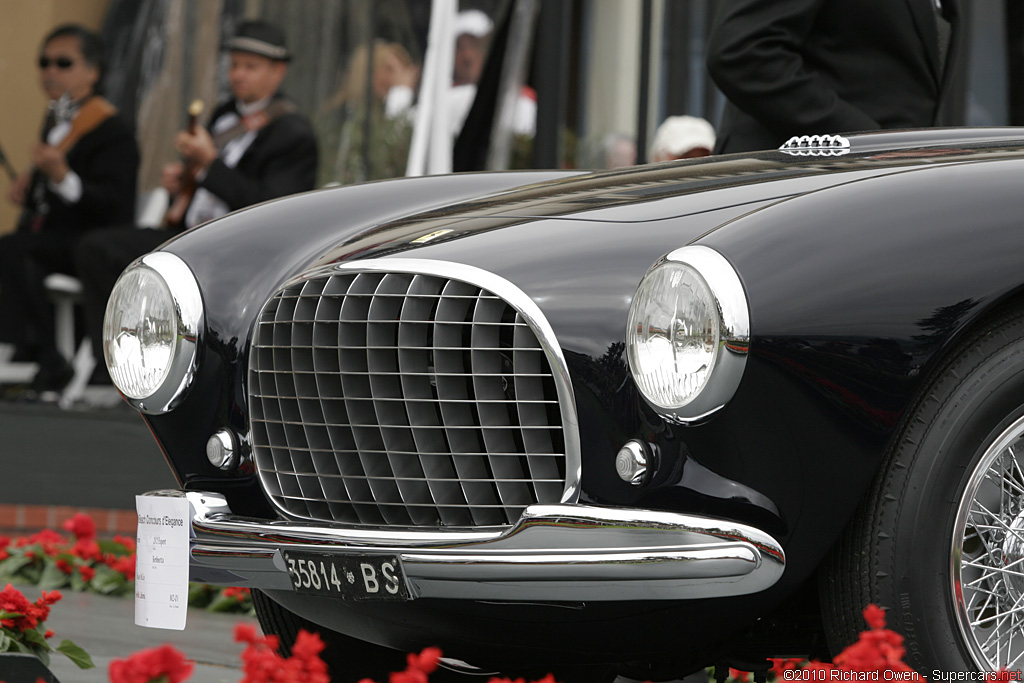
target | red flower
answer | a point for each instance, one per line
(125, 565)
(875, 616)
(87, 549)
(781, 665)
(82, 526)
(245, 633)
(64, 566)
(127, 541)
(877, 649)
(426, 661)
(237, 593)
(25, 615)
(87, 573)
(158, 663)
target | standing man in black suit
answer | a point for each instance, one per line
(83, 177)
(812, 67)
(257, 147)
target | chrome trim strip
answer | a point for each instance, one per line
(521, 302)
(188, 304)
(555, 552)
(734, 333)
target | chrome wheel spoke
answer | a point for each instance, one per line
(988, 547)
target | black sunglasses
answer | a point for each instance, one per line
(61, 63)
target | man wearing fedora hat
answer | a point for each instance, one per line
(256, 147)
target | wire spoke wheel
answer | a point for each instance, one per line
(939, 539)
(988, 555)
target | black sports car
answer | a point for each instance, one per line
(624, 423)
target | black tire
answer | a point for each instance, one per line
(944, 518)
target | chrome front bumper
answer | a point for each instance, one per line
(554, 552)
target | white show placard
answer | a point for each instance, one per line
(161, 562)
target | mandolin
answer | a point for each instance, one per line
(175, 216)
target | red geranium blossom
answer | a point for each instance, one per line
(87, 549)
(163, 663)
(127, 541)
(82, 526)
(125, 565)
(237, 593)
(25, 615)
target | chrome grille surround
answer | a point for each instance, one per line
(412, 394)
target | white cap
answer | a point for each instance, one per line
(474, 22)
(677, 135)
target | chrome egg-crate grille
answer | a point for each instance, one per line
(402, 399)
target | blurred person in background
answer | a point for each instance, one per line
(257, 147)
(473, 31)
(83, 177)
(682, 137)
(816, 67)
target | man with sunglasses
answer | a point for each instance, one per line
(82, 176)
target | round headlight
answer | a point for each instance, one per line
(151, 331)
(688, 333)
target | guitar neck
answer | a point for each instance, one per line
(175, 216)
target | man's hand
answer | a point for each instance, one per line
(50, 161)
(170, 177)
(19, 189)
(197, 149)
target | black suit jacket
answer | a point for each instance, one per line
(806, 67)
(107, 161)
(282, 160)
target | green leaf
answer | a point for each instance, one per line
(221, 603)
(34, 637)
(19, 646)
(76, 654)
(4, 614)
(111, 547)
(32, 572)
(109, 582)
(13, 564)
(52, 577)
(199, 594)
(5, 641)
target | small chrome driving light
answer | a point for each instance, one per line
(151, 331)
(222, 450)
(631, 463)
(688, 333)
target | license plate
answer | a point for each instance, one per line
(357, 577)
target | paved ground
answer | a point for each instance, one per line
(104, 627)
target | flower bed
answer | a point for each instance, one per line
(23, 629)
(81, 561)
(877, 650)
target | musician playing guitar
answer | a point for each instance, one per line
(82, 177)
(255, 147)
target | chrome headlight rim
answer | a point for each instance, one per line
(190, 318)
(733, 344)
